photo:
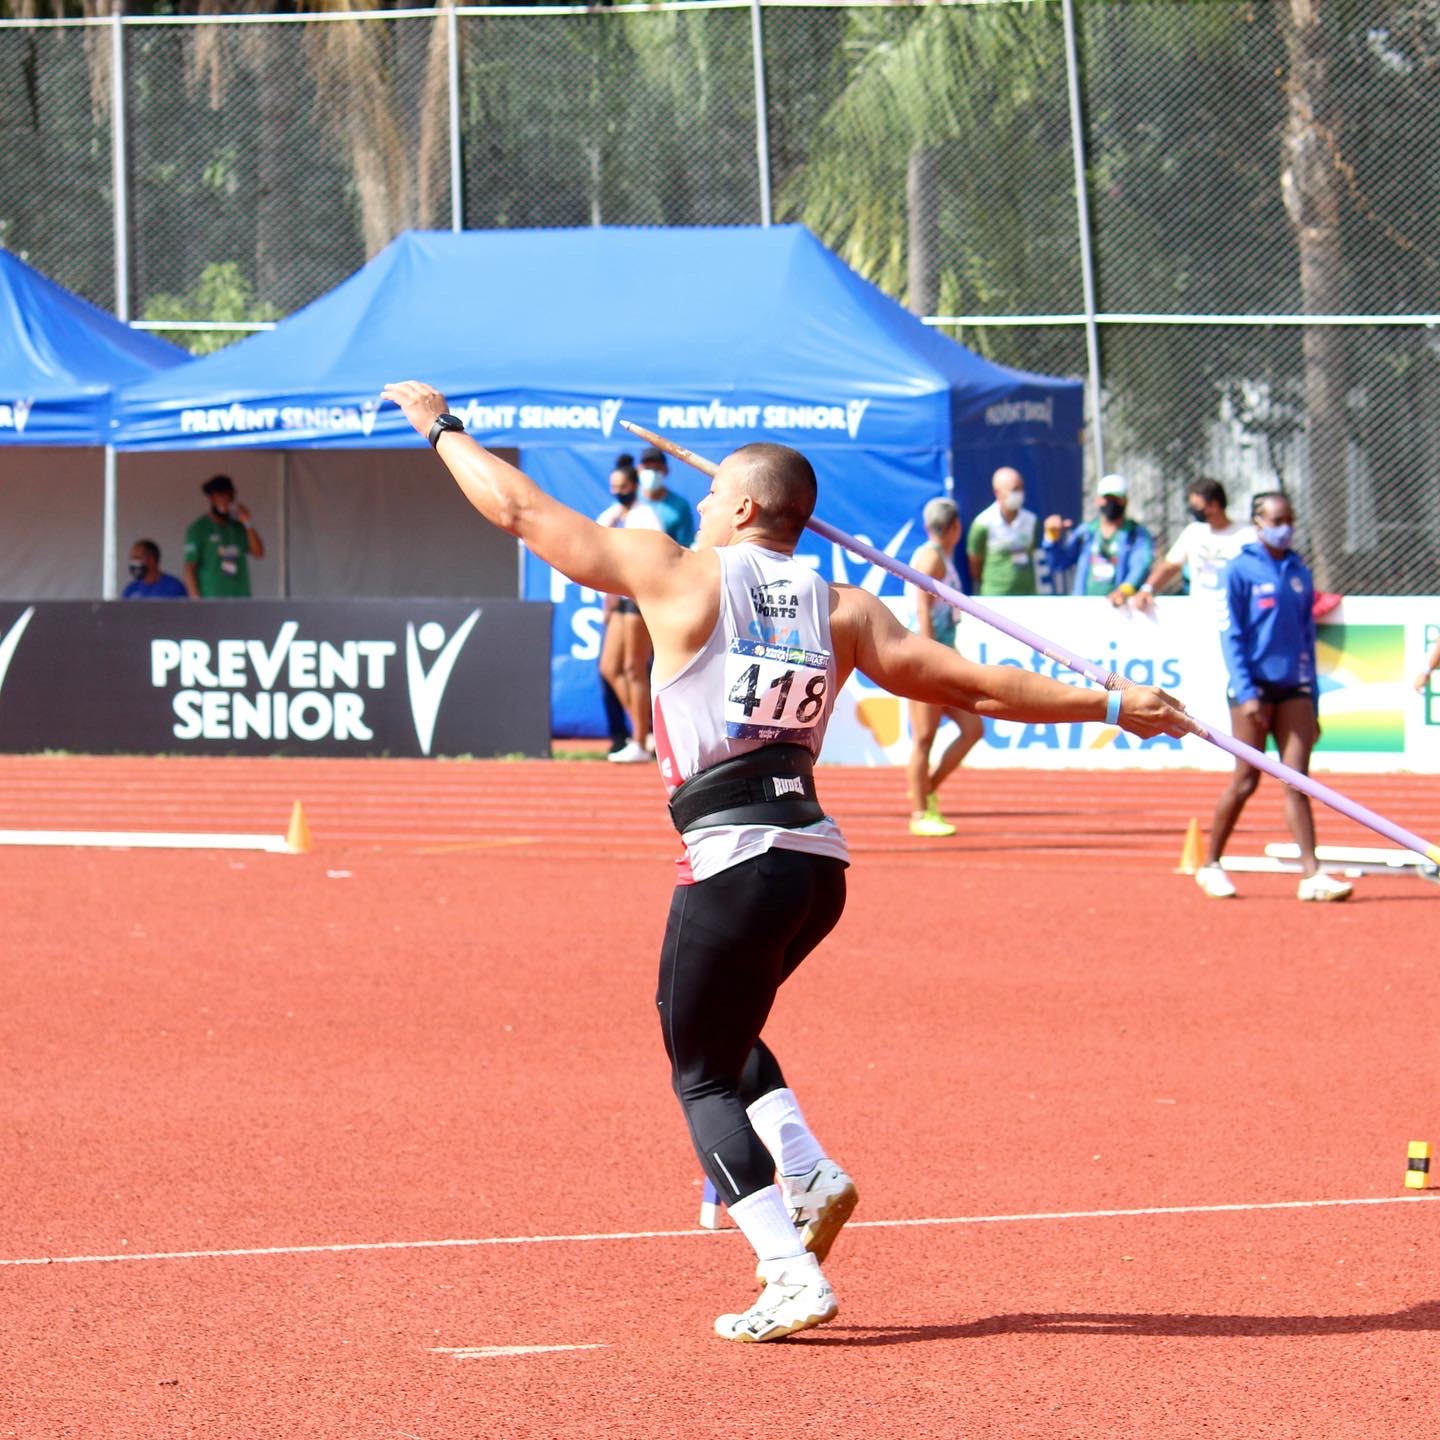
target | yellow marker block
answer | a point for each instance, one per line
(1417, 1167)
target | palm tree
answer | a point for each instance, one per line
(938, 92)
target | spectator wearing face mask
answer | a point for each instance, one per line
(1269, 643)
(1111, 555)
(1002, 538)
(147, 580)
(625, 651)
(1204, 548)
(677, 519)
(220, 545)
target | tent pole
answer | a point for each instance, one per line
(1087, 258)
(762, 126)
(109, 568)
(457, 174)
(119, 165)
(282, 524)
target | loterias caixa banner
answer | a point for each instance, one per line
(276, 677)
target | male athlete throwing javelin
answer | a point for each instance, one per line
(751, 649)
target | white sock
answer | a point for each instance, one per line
(765, 1223)
(777, 1120)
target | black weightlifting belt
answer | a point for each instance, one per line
(774, 785)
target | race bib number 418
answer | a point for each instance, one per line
(772, 691)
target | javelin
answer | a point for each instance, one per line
(1111, 681)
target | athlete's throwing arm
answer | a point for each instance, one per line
(678, 590)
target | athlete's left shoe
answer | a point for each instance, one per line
(797, 1296)
(931, 826)
(1321, 886)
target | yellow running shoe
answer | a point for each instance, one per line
(931, 826)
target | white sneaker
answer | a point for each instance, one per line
(797, 1296)
(819, 1202)
(1210, 878)
(1321, 886)
(630, 754)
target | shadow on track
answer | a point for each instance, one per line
(1425, 1316)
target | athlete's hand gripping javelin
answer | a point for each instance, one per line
(678, 590)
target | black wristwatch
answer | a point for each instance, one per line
(445, 421)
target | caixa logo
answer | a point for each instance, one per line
(302, 689)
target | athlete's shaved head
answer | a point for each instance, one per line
(781, 482)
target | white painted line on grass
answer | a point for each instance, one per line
(486, 1352)
(145, 840)
(1034, 1217)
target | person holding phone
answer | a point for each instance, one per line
(220, 544)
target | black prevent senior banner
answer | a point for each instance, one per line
(276, 677)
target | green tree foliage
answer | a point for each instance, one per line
(221, 293)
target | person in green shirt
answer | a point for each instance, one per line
(218, 546)
(1001, 542)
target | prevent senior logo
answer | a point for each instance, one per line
(299, 688)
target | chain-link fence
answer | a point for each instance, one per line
(1250, 288)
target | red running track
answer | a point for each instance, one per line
(438, 1027)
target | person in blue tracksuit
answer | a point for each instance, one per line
(1268, 637)
(1111, 555)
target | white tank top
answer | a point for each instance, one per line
(765, 676)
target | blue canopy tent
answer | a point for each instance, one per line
(544, 340)
(60, 360)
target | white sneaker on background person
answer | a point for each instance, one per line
(1321, 886)
(796, 1296)
(1215, 882)
(630, 754)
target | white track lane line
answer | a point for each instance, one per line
(486, 1352)
(1036, 1217)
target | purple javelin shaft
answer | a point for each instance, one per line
(1261, 761)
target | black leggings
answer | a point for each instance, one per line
(729, 943)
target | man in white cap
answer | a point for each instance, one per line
(1111, 554)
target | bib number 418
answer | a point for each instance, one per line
(746, 694)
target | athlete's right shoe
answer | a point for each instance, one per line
(797, 1296)
(1215, 882)
(820, 1202)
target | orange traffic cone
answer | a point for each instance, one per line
(297, 837)
(1192, 852)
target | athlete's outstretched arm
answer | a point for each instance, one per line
(620, 562)
(908, 664)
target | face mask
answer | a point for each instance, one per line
(1112, 509)
(651, 481)
(218, 513)
(626, 498)
(1277, 537)
(1197, 513)
(1013, 503)
(137, 569)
